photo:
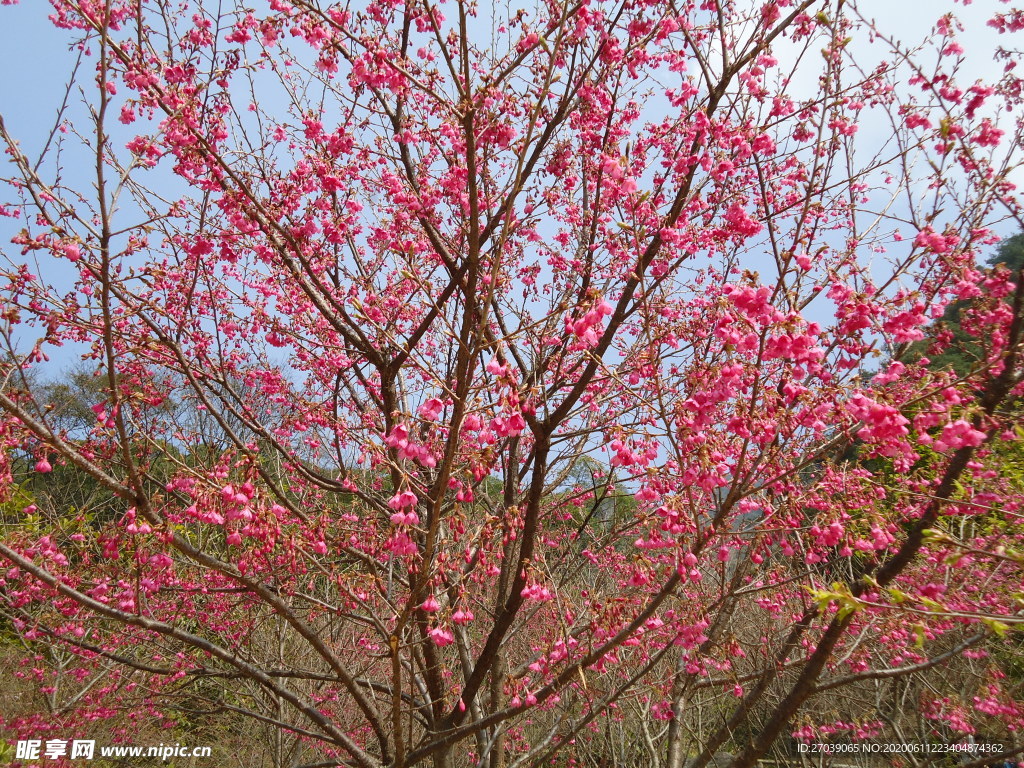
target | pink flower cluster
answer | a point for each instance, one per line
(401, 502)
(440, 637)
(958, 434)
(431, 409)
(585, 329)
(537, 592)
(508, 426)
(407, 449)
(236, 502)
(881, 422)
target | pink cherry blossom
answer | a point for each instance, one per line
(440, 637)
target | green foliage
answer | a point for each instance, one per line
(1010, 253)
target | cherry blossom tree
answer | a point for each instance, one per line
(466, 379)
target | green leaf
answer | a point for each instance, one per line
(999, 628)
(920, 635)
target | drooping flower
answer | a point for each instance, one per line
(441, 637)
(430, 605)
(401, 500)
(431, 409)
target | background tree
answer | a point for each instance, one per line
(948, 342)
(423, 263)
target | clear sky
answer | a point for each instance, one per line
(35, 59)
